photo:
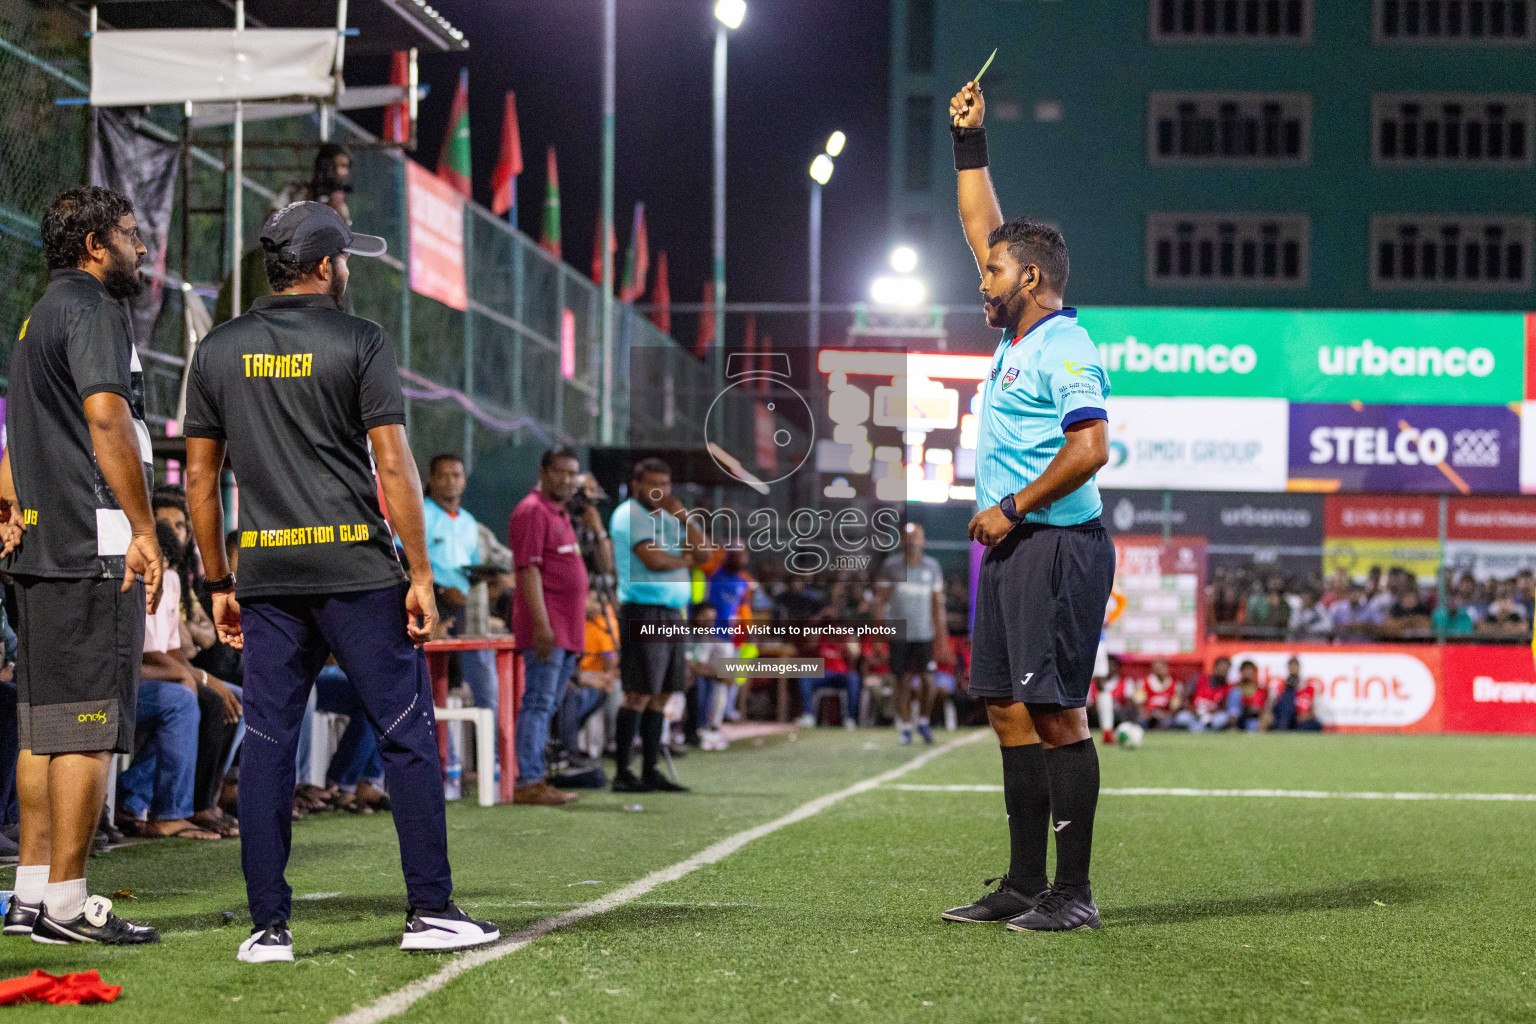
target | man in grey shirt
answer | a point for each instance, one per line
(910, 588)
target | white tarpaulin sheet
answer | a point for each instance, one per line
(140, 68)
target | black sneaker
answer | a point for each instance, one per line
(97, 924)
(1003, 903)
(626, 782)
(449, 928)
(269, 945)
(1060, 910)
(661, 784)
(20, 917)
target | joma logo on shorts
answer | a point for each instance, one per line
(95, 716)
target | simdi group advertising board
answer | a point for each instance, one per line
(1275, 400)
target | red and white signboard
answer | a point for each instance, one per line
(1388, 516)
(437, 237)
(1156, 607)
(1359, 687)
(1492, 538)
(1489, 688)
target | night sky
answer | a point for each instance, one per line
(798, 70)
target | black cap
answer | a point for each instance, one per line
(306, 232)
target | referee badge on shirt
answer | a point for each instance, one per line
(1011, 376)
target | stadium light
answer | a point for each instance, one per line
(903, 259)
(731, 13)
(903, 291)
(836, 143)
(821, 169)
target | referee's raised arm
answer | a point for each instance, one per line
(979, 211)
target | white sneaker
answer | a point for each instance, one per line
(850, 724)
(271, 945)
(449, 928)
(807, 721)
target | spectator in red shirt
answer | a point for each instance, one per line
(1209, 702)
(836, 672)
(1158, 697)
(548, 615)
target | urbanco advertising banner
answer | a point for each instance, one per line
(1359, 687)
(1198, 444)
(1466, 449)
(1489, 688)
(1417, 357)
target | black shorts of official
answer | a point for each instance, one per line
(650, 666)
(1040, 604)
(911, 656)
(79, 646)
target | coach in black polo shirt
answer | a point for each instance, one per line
(77, 531)
(297, 390)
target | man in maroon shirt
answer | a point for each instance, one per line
(548, 613)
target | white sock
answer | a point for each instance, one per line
(903, 726)
(29, 883)
(922, 719)
(65, 900)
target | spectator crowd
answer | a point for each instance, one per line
(1394, 605)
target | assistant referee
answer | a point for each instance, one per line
(1045, 582)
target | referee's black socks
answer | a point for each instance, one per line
(624, 727)
(651, 724)
(1074, 783)
(1027, 796)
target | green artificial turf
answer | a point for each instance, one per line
(1215, 908)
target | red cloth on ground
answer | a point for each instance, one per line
(40, 986)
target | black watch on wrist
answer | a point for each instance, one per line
(1010, 510)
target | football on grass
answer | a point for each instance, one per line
(1129, 735)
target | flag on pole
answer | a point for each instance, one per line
(397, 116)
(597, 248)
(706, 336)
(549, 239)
(637, 261)
(453, 159)
(510, 163)
(661, 296)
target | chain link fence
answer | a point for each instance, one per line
(477, 380)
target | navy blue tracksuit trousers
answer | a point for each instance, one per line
(287, 640)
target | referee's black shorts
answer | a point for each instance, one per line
(1040, 605)
(656, 666)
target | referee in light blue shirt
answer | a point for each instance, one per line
(1045, 582)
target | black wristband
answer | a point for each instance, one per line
(970, 147)
(222, 585)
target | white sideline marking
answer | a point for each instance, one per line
(1304, 794)
(398, 1002)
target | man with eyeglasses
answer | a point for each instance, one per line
(78, 536)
